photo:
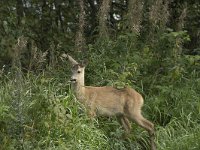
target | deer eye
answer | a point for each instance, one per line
(79, 71)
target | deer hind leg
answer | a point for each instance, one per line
(147, 125)
(125, 123)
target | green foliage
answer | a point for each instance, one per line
(48, 116)
(37, 107)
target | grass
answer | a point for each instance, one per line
(44, 114)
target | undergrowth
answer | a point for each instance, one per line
(48, 116)
(39, 111)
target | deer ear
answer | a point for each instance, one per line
(71, 60)
(84, 63)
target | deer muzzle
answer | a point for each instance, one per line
(73, 80)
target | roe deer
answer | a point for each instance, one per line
(124, 103)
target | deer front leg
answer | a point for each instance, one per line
(91, 112)
(91, 107)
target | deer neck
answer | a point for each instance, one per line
(79, 90)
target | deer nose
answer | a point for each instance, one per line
(73, 80)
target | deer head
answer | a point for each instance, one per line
(78, 71)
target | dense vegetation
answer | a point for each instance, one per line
(152, 46)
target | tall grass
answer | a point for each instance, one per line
(52, 118)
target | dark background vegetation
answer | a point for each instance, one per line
(150, 45)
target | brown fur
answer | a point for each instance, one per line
(124, 103)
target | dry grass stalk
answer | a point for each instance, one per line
(17, 50)
(80, 39)
(103, 17)
(159, 13)
(135, 10)
(38, 58)
(181, 19)
(17, 102)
